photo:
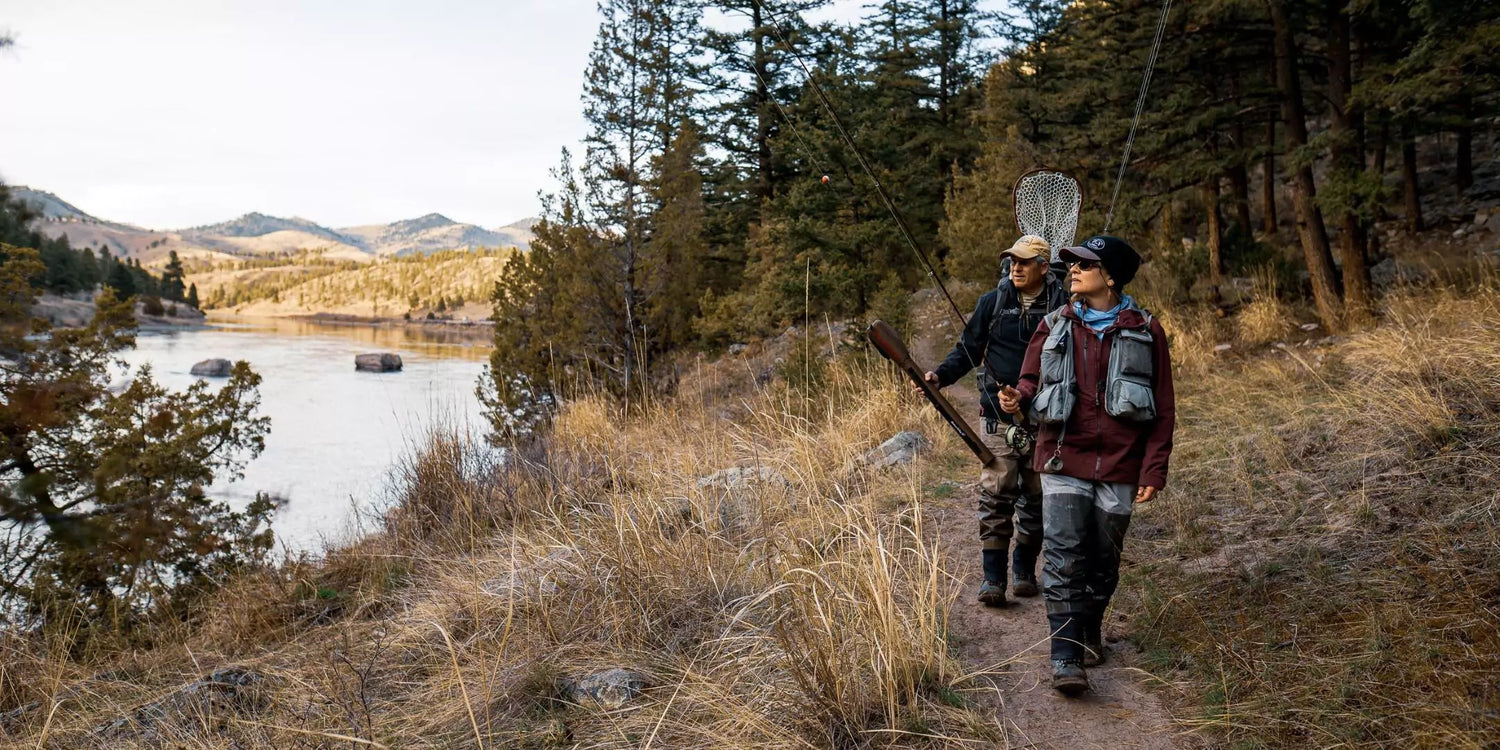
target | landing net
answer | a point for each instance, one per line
(1047, 204)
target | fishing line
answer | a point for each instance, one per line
(859, 156)
(1140, 103)
(791, 126)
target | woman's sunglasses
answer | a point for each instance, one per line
(1083, 265)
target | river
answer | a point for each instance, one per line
(336, 434)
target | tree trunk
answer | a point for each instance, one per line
(1346, 151)
(1209, 191)
(1239, 187)
(763, 103)
(1310, 229)
(1268, 184)
(1409, 190)
(1238, 174)
(944, 63)
(1465, 157)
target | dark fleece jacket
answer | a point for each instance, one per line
(996, 338)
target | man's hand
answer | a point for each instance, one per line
(930, 377)
(1010, 400)
(1145, 494)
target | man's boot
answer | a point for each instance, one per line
(1023, 570)
(1093, 641)
(992, 591)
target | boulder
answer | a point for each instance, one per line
(201, 704)
(378, 362)
(611, 688)
(213, 368)
(900, 449)
(743, 478)
(1493, 222)
(1390, 272)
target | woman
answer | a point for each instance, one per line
(1097, 380)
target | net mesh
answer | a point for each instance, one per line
(1047, 206)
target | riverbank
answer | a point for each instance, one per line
(77, 310)
(479, 327)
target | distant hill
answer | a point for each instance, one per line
(257, 235)
(436, 232)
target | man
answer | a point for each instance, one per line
(995, 341)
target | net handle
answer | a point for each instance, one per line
(1015, 206)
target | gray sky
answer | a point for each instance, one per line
(174, 114)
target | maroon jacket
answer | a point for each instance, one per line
(1097, 446)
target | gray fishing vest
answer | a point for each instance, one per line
(1127, 391)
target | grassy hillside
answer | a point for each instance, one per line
(458, 282)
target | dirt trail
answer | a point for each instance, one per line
(1121, 711)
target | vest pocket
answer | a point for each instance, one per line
(1129, 400)
(1054, 398)
(1128, 394)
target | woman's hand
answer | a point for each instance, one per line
(1145, 494)
(930, 377)
(1010, 400)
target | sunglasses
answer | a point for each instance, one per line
(1084, 265)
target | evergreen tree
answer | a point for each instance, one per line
(121, 280)
(171, 280)
(105, 486)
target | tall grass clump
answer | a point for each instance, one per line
(1328, 569)
(1265, 318)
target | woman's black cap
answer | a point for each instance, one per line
(1119, 259)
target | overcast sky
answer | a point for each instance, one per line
(174, 114)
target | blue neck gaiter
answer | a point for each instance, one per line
(1099, 320)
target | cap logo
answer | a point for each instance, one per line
(1095, 244)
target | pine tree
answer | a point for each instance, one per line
(171, 280)
(105, 487)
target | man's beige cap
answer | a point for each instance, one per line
(1029, 247)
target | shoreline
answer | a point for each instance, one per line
(368, 320)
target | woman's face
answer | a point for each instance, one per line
(1086, 277)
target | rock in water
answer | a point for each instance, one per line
(381, 362)
(212, 368)
(900, 449)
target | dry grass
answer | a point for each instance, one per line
(801, 613)
(1265, 317)
(1328, 569)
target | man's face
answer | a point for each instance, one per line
(1027, 274)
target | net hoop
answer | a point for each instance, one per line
(1046, 203)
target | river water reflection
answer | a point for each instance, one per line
(335, 433)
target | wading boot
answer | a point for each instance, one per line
(1023, 571)
(1069, 677)
(992, 591)
(1093, 643)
